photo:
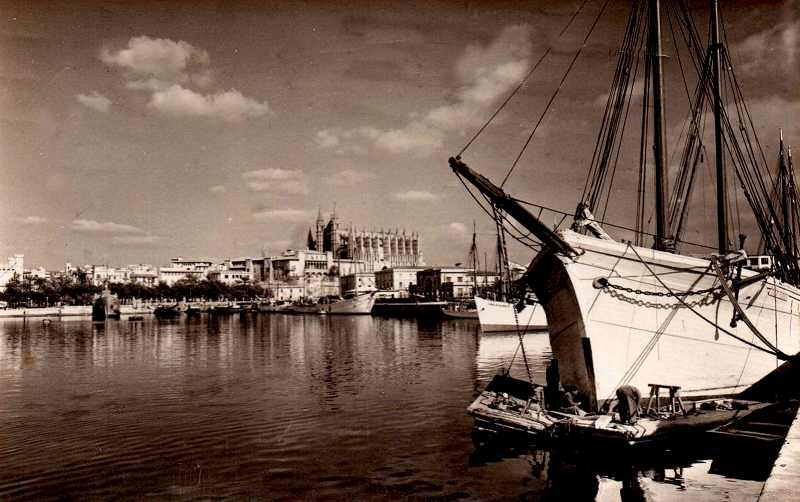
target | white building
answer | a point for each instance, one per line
(14, 267)
(358, 282)
(180, 268)
(289, 293)
(397, 278)
(446, 282)
(229, 277)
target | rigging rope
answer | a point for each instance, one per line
(523, 81)
(701, 316)
(553, 97)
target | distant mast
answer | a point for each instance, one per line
(716, 49)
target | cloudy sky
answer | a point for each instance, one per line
(139, 131)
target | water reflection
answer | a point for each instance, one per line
(281, 408)
(682, 473)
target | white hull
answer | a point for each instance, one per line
(607, 338)
(500, 316)
(358, 305)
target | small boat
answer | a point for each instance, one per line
(765, 428)
(461, 310)
(514, 408)
(274, 306)
(497, 315)
(167, 311)
(306, 308)
(360, 304)
(136, 318)
(408, 308)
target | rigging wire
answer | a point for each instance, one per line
(514, 92)
(553, 97)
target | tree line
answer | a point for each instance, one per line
(70, 290)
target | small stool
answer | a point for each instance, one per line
(675, 404)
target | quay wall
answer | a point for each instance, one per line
(86, 310)
(783, 484)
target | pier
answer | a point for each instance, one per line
(783, 483)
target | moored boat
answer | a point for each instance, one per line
(106, 306)
(619, 313)
(360, 304)
(167, 311)
(408, 308)
(460, 310)
(497, 315)
(306, 308)
(516, 409)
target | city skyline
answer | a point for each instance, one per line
(137, 132)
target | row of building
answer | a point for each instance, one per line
(336, 262)
(293, 275)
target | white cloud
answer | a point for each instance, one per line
(457, 228)
(95, 101)
(283, 181)
(417, 138)
(33, 220)
(283, 215)
(136, 240)
(217, 189)
(328, 138)
(350, 177)
(228, 105)
(169, 70)
(486, 74)
(416, 196)
(95, 227)
(162, 60)
(760, 51)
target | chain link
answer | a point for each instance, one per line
(605, 284)
(707, 300)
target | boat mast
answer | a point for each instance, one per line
(716, 50)
(473, 251)
(659, 126)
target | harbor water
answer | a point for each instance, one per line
(278, 407)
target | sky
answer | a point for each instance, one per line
(140, 131)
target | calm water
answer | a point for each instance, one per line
(274, 407)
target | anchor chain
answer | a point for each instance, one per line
(618, 292)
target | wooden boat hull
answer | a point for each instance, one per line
(607, 338)
(512, 407)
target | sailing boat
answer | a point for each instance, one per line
(465, 309)
(498, 312)
(620, 313)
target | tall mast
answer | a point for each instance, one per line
(659, 125)
(784, 192)
(716, 50)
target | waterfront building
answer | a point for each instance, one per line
(180, 268)
(229, 277)
(285, 292)
(357, 282)
(14, 267)
(397, 278)
(446, 282)
(143, 274)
